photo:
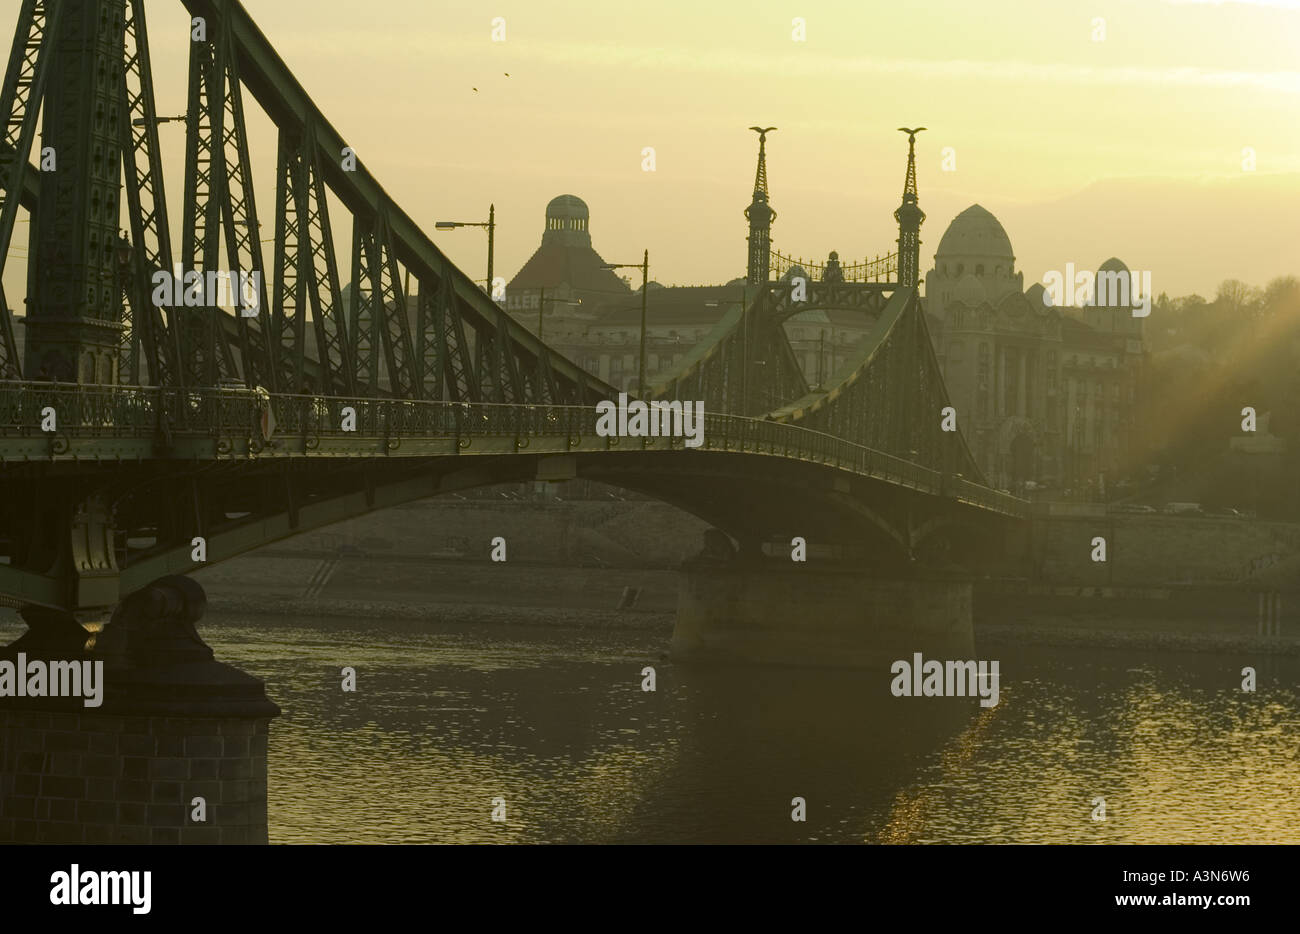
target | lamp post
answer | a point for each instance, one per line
(490, 224)
(144, 121)
(645, 289)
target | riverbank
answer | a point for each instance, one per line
(441, 613)
(457, 591)
(1049, 633)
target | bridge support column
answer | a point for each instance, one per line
(821, 617)
(175, 752)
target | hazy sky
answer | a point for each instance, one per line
(1131, 146)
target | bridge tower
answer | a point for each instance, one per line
(910, 217)
(74, 318)
(760, 216)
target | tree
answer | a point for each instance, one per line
(1282, 295)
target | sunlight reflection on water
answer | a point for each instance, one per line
(555, 722)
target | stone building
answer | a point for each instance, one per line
(593, 316)
(1043, 393)
(568, 276)
(679, 317)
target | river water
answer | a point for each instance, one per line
(555, 722)
(446, 719)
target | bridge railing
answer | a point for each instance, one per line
(89, 410)
(738, 432)
(30, 409)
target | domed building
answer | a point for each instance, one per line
(1044, 394)
(592, 315)
(1112, 307)
(569, 274)
(976, 245)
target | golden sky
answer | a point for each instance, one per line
(1129, 146)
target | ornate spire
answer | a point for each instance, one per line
(910, 217)
(760, 216)
(760, 178)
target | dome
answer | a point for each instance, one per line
(1112, 286)
(567, 206)
(969, 292)
(976, 233)
(566, 221)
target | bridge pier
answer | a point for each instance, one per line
(837, 616)
(175, 751)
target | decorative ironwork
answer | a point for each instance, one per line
(910, 217)
(151, 246)
(883, 269)
(20, 96)
(760, 215)
(813, 436)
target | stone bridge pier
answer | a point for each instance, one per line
(175, 752)
(750, 609)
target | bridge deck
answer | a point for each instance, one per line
(121, 423)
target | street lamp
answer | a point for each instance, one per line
(123, 249)
(144, 121)
(645, 283)
(490, 224)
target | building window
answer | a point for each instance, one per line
(979, 270)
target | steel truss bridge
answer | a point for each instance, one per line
(156, 440)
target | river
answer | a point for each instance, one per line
(555, 722)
